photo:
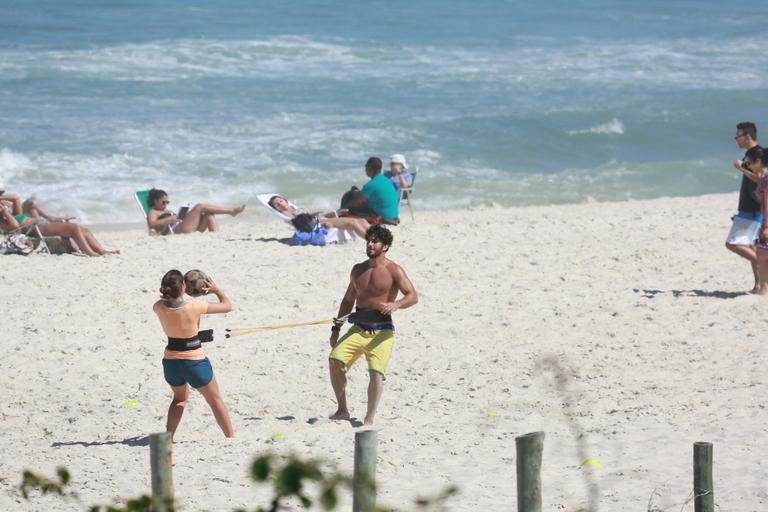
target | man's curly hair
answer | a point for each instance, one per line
(380, 233)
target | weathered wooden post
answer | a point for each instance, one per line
(364, 490)
(703, 489)
(529, 449)
(160, 456)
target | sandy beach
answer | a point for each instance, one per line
(619, 329)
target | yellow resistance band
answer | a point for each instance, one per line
(251, 330)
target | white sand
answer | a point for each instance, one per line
(638, 303)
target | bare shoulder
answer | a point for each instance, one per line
(395, 269)
(157, 304)
(359, 268)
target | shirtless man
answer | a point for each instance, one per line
(374, 286)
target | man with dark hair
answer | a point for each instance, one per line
(373, 286)
(378, 198)
(747, 222)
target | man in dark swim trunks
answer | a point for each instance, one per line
(746, 223)
(374, 286)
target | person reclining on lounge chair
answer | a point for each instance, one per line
(82, 236)
(356, 225)
(200, 217)
(29, 207)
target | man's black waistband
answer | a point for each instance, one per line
(366, 316)
(183, 344)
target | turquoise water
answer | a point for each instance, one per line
(495, 101)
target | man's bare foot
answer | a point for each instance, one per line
(237, 211)
(339, 415)
(368, 422)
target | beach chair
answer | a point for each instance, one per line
(142, 199)
(32, 230)
(406, 193)
(334, 235)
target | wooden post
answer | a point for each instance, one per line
(703, 489)
(529, 449)
(160, 455)
(364, 489)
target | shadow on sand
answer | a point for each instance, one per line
(650, 294)
(131, 441)
(286, 241)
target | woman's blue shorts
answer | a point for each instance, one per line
(197, 373)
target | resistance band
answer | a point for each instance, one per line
(251, 330)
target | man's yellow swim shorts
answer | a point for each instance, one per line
(375, 345)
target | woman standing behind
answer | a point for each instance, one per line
(184, 363)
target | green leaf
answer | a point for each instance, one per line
(328, 499)
(63, 475)
(260, 468)
(306, 501)
(288, 481)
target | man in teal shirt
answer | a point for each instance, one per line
(378, 195)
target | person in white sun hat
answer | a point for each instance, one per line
(398, 172)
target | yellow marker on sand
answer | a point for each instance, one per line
(491, 414)
(592, 462)
(130, 403)
(275, 437)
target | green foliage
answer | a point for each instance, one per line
(33, 481)
(289, 478)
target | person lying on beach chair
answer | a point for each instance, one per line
(201, 217)
(81, 236)
(355, 225)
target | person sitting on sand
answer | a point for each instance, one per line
(746, 223)
(184, 363)
(200, 217)
(356, 225)
(754, 167)
(398, 173)
(377, 199)
(373, 287)
(82, 236)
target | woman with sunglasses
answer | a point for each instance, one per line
(200, 217)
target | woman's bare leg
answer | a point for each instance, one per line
(212, 395)
(69, 230)
(762, 271)
(358, 226)
(95, 245)
(213, 224)
(192, 220)
(208, 222)
(32, 208)
(176, 409)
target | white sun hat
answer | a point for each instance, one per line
(397, 158)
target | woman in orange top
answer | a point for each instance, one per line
(184, 363)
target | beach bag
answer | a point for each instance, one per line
(304, 222)
(17, 244)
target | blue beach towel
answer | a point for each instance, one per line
(315, 237)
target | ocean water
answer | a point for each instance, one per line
(506, 102)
